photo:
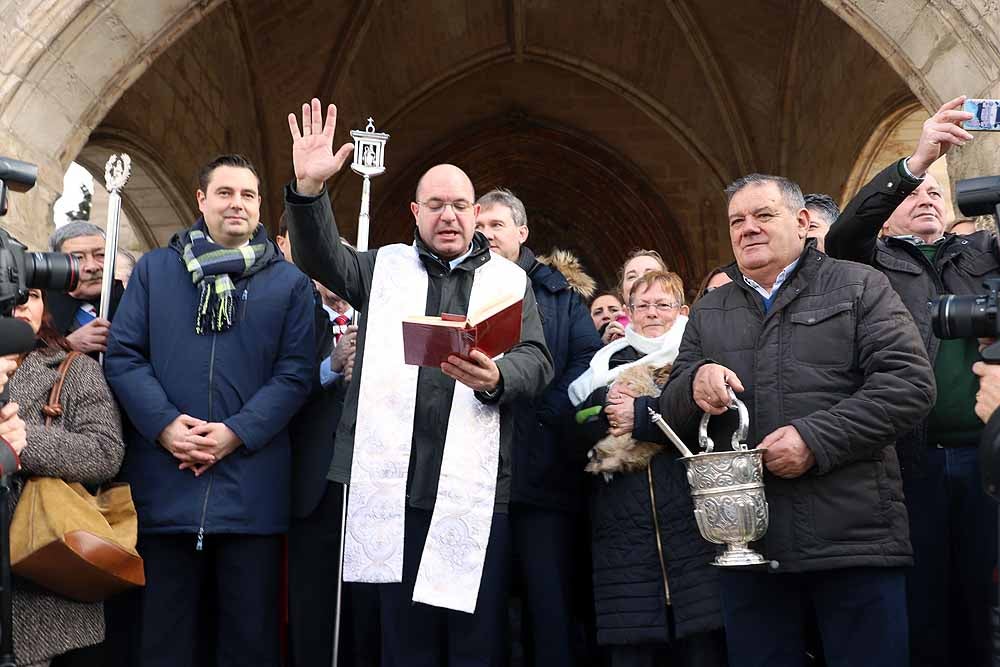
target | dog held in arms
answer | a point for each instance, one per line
(623, 453)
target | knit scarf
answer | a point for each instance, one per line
(657, 352)
(214, 270)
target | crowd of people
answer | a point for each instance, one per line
(255, 398)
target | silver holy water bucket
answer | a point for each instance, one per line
(728, 493)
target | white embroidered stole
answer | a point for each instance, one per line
(451, 564)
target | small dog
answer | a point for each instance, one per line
(623, 453)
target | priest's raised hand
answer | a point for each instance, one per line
(312, 148)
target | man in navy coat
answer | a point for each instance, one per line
(211, 352)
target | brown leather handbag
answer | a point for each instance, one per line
(65, 539)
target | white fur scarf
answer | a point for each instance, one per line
(658, 352)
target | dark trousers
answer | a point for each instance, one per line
(313, 554)
(244, 569)
(545, 567)
(861, 613)
(953, 528)
(419, 635)
(705, 649)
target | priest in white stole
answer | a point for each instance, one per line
(426, 450)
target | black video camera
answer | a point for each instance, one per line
(975, 316)
(21, 270)
(972, 316)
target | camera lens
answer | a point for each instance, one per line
(51, 270)
(963, 317)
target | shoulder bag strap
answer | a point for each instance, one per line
(54, 407)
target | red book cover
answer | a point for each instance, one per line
(427, 341)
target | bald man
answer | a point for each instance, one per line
(426, 450)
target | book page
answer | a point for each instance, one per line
(493, 308)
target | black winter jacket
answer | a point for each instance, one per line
(961, 265)
(312, 430)
(547, 465)
(838, 357)
(525, 369)
(645, 545)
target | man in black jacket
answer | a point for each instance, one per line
(412, 414)
(317, 508)
(952, 521)
(547, 475)
(831, 368)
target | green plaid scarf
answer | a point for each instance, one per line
(213, 270)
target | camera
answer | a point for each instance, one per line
(969, 316)
(21, 270)
(972, 316)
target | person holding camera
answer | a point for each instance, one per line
(952, 521)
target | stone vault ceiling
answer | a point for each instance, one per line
(619, 122)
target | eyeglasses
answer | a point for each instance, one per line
(661, 306)
(459, 206)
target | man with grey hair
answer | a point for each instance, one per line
(896, 224)
(831, 368)
(547, 480)
(823, 212)
(75, 314)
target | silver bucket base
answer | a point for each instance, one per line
(736, 556)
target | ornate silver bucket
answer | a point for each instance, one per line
(728, 493)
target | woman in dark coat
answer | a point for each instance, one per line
(85, 445)
(655, 594)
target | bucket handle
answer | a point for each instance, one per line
(739, 435)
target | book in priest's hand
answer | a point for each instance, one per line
(493, 329)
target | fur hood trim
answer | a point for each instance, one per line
(566, 263)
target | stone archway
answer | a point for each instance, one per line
(580, 194)
(65, 63)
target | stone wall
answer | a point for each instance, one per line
(689, 95)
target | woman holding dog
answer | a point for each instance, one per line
(655, 594)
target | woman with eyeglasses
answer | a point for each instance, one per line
(656, 596)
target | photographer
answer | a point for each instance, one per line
(75, 313)
(952, 521)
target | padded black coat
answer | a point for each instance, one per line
(838, 357)
(627, 534)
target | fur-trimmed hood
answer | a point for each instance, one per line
(568, 264)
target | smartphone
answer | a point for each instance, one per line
(622, 319)
(985, 115)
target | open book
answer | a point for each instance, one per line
(494, 329)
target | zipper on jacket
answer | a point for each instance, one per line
(211, 475)
(656, 529)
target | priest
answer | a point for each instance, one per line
(426, 450)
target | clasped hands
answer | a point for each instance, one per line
(785, 452)
(198, 444)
